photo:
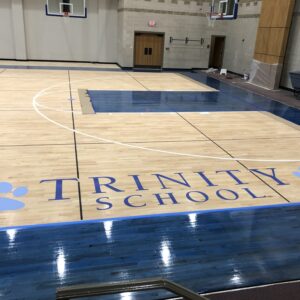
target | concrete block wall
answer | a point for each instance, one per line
(181, 19)
(292, 57)
(174, 19)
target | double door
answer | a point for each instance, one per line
(148, 50)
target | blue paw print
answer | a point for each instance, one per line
(297, 174)
(8, 203)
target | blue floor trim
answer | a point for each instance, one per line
(257, 102)
(198, 212)
(227, 98)
(206, 252)
(60, 68)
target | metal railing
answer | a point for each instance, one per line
(91, 290)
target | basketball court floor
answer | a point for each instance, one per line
(82, 147)
(113, 164)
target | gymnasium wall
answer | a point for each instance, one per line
(241, 37)
(75, 39)
(292, 57)
(107, 35)
(7, 48)
(174, 18)
(180, 19)
(56, 38)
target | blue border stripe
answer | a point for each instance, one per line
(199, 212)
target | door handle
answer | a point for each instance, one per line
(147, 51)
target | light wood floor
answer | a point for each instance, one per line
(40, 146)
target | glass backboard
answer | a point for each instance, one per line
(224, 9)
(70, 8)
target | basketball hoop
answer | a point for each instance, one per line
(223, 10)
(66, 14)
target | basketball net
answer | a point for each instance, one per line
(210, 21)
(212, 17)
(66, 18)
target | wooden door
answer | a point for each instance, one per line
(217, 51)
(148, 50)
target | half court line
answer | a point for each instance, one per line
(75, 148)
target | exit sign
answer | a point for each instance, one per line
(152, 23)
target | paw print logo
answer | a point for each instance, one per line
(7, 195)
(297, 174)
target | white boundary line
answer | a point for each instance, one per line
(35, 105)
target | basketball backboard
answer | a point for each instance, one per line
(224, 9)
(70, 8)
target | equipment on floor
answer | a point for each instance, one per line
(295, 79)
